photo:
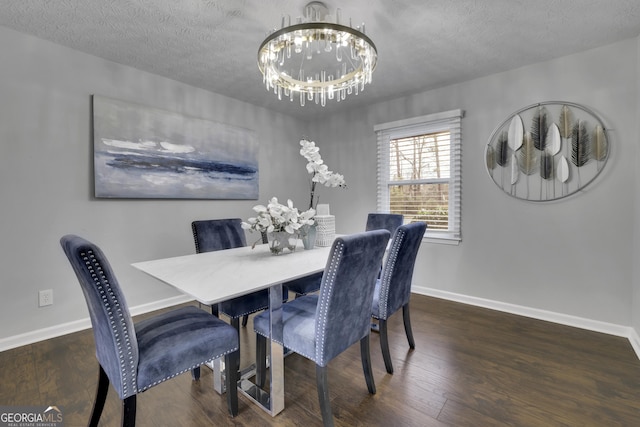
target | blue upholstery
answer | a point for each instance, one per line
(191, 334)
(219, 234)
(393, 288)
(136, 357)
(384, 221)
(375, 221)
(304, 285)
(320, 327)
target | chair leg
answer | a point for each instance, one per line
(245, 319)
(195, 373)
(231, 381)
(235, 322)
(129, 411)
(323, 395)
(101, 397)
(261, 360)
(407, 325)
(365, 355)
(384, 345)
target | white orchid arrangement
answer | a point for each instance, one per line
(278, 217)
(320, 172)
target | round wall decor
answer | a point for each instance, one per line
(547, 151)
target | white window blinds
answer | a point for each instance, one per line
(419, 172)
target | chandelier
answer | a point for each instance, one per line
(318, 58)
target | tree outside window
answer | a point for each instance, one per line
(419, 176)
(419, 171)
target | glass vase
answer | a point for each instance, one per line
(281, 240)
(308, 236)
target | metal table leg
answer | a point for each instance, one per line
(272, 402)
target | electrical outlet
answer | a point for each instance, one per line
(45, 298)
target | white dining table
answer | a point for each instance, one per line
(213, 277)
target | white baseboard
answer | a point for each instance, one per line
(563, 319)
(634, 339)
(79, 325)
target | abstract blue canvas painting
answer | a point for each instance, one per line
(143, 152)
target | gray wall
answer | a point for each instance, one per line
(574, 256)
(46, 177)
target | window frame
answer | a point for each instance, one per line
(447, 121)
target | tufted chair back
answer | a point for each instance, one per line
(218, 234)
(113, 330)
(383, 221)
(343, 312)
(221, 234)
(397, 271)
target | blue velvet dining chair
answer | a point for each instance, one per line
(383, 221)
(321, 326)
(136, 357)
(393, 288)
(219, 234)
(375, 221)
(304, 285)
(386, 221)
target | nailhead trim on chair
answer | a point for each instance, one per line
(385, 280)
(99, 278)
(185, 370)
(195, 239)
(243, 314)
(308, 356)
(328, 278)
(129, 386)
(328, 282)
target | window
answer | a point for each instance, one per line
(419, 172)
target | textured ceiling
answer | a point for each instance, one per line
(422, 44)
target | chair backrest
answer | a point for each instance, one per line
(397, 271)
(383, 221)
(113, 330)
(343, 313)
(218, 234)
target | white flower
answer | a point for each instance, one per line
(278, 217)
(319, 171)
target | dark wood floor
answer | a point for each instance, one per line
(471, 367)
